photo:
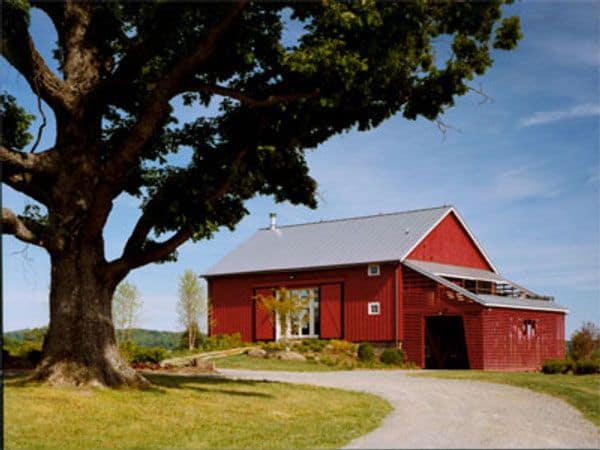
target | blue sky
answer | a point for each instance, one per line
(523, 170)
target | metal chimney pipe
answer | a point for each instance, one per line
(273, 218)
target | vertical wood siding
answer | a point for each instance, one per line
(234, 308)
(507, 346)
(423, 298)
(449, 243)
(330, 298)
(264, 323)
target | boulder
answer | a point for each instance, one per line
(195, 363)
(257, 353)
(289, 356)
(201, 364)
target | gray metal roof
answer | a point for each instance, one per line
(447, 270)
(379, 238)
(498, 301)
(521, 303)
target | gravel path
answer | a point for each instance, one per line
(438, 413)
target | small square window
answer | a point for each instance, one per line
(373, 270)
(374, 308)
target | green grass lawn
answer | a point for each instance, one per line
(581, 391)
(245, 362)
(186, 413)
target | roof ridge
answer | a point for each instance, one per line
(360, 217)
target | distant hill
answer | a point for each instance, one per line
(141, 336)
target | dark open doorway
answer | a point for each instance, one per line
(445, 345)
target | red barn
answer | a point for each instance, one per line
(416, 279)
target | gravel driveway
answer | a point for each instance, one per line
(438, 413)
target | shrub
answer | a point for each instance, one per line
(311, 345)
(366, 353)
(328, 360)
(224, 341)
(274, 346)
(128, 350)
(339, 346)
(149, 355)
(393, 356)
(556, 366)
(587, 366)
(585, 341)
(34, 357)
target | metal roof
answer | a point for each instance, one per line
(378, 238)
(447, 270)
(498, 301)
(521, 303)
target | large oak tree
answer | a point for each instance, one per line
(122, 67)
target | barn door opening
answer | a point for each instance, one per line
(445, 344)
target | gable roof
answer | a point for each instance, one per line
(358, 240)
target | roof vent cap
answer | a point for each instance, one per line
(273, 218)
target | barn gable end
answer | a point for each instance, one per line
(449, 242)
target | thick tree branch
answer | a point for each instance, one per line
(133, 251)
(82, 65)
(31, 174)
(43, 163)
(166, 89)
(19, 49)
(12, 224)
(275, 99)
(160, 251)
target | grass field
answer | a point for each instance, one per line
(186, 413)
(245, 362)
(581, 391)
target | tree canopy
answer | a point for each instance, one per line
(353, 64)
(263, 82)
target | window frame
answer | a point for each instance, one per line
(370, 311)
(377, 266)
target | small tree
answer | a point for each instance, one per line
(126, 306)
(585, 341)
(286, 307)
(191, 305)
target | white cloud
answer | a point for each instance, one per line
(574, 51)
(521, 182)
(544, 117)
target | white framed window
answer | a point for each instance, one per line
(373, 270)
(374, 308)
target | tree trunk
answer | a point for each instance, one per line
(190, 339)
(80, 347)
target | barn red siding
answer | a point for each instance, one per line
(508, 348)
(331, 311)
(449, 243)
(264, 322)
(233, 305)
(423, 297)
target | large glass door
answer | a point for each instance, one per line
(307, 322)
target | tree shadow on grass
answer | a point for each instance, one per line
(160, 382)
(206, 384)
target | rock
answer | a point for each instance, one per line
(201, 364)
(195, 363)
(289, 356)
(257, 353)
